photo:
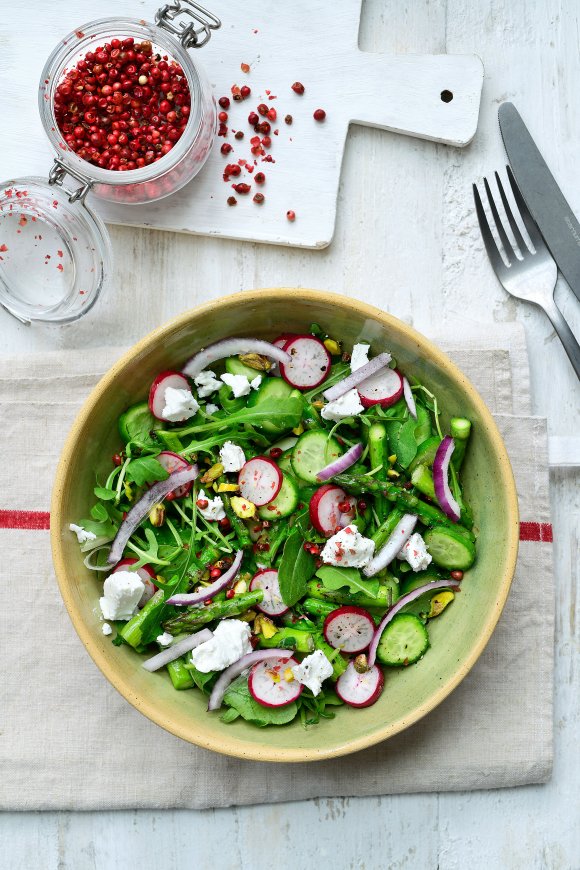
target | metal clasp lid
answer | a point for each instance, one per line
(193, 35)
(57, 174)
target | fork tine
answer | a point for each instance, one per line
(488, 239)
(512, 222)
(528, 220)
(507, 246)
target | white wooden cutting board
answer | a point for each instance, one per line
(312, 41)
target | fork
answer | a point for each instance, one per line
(529, 275)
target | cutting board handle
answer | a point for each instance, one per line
(430, 96)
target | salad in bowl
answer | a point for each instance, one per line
(281, 523)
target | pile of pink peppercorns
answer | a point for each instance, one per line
(262, 120)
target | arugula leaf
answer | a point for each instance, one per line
(229, 716)
(104, 529)
(99, 513)
(145, 470)
(238, 697)
(104, 493)
(295, 570)
(200, 679)
(285, 413)
(336, 578)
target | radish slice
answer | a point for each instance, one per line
(349, 629)
(211, 590)
(268, 686)
(230, 674)
(357, 377)
(272, 602)
(360, 690)
(383, 388)
(396, 608)
(441, 479)
(139, 511)
(147, 575)
(342, 463)
(325, 515)
(309, 362)
(260, 480)
(280, 342)
(174, 462)
(157, 391)
(232, 347)
(409, 398)
(178, 649)
(399, 536)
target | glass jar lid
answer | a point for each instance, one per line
(55, 253)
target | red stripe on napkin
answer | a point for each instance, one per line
(24, 520)
(536, 532)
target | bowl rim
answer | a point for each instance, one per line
(222, 742)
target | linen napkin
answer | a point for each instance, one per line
(69, 741)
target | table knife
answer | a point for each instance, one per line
(550, 210)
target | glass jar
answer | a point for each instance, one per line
(55, 253)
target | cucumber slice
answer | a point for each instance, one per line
(234, 366)
(450, 548)
(285, 463)
(314, 450)
(425, 454)
(403, 641)
(227, 400)
(284, 504)
(274, 388)
(137, 422)
(420, 606)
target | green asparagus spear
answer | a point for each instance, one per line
(288, 638)
(422, 479)
(386, 528)
(191, 619)
(180, 676)
(378, 453)
(339, 664)
(134, 630)
(238, 525)
(317, 607)
(339, 597)
(427, 513)
(460, 431)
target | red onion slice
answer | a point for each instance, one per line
(177, 649)
(406, 599)
(409, 398)
(140, 510)
(230, 674)
(441, 479)
(357, 377)
(232, 347)
(399, 536)
(213, 589)
(342, 463)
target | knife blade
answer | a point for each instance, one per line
(557, 222)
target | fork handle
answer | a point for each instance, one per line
(565, 335)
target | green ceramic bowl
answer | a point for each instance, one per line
(457, 639)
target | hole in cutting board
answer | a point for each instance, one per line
(446, 96)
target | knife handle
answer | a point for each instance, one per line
(565, 335)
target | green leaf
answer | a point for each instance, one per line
(285, 413)
(99, 513)
(238, 697)
(229, 716)
(200, 679)
(295, 570)
(336, 578)
(100, 529)
(104, 494)
(146, 470)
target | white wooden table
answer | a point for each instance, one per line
(407, 240)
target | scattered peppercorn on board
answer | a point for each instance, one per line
(266, 47)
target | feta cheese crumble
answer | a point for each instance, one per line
(206, 383)
(230, 641)
(415, 553)
(214, 509)
(240, 384)
(348, 549)
(179, 405)
(312, 671)
(82, 534)
(107, 630)
(348, 405)
(359, 356)
(211, 408)
(122, 593)
(164, 639)
(232, 456)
